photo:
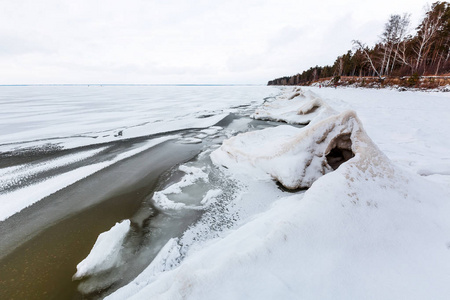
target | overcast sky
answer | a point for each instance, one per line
(175, 41)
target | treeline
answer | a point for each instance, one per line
(426, 52)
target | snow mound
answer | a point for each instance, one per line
(290, 93)
(297, 92)
(355, 234)
(106, 251)
(298, 108)
(296, 157)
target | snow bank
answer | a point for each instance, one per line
(408, 127)
(296, 157)
(105, 254)
(356, 234)
(298, 108)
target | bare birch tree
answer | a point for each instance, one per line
(427, 30)
(402, 32)
(364, 49)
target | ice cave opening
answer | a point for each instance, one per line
(341, 150)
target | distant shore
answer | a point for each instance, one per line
(402, 83)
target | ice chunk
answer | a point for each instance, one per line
(162, 202)
(296, 157)
(212, 130)
(190, 140)
(106, 251)
(192, 175)
(295, 110)
(211, 196)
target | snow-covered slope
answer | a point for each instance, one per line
(356, 234)
(367, 227)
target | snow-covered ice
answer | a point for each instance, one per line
(192, 174)
(211, 196)
(372, 225)
(41, 119)
(13, 176)
(296, 157)
(106, 251)
(297, 107)
(16, 200)
(73, 116)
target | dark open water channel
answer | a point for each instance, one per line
(41, 246)
(68, 223)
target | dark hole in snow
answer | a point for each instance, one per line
(285, 189)
(340, 152)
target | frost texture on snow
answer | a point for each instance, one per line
(106, 251)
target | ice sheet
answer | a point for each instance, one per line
(72, 116)
(15, 201)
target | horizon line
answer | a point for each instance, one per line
(135, 84)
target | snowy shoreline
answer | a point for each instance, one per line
(369, 226)
(369, 220)
(125, 168)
